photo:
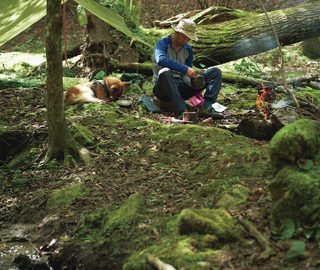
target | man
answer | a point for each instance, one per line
(172, 70)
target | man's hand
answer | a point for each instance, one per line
(191, 73)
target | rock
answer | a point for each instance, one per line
(125, 215)
(295, 188)
(299, 140)
(82, 134)
(235, 196)
(208, 221)
(295, 195)
(311, 48)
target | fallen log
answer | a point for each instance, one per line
(296, 81)
(315, 85)
(235, 39)
(228, 77)
(175, 19)
(211, 15)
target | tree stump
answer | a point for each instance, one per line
(257, 129)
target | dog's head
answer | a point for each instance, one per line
(116, 87)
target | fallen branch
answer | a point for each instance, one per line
(315, 85)
(296, 81)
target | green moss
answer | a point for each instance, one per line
(23, 157)
(64, 197)
(296, 194)
(19, 179)
(82, 134)
(216, 222)
(70, 81)
(299, 140)
(182, 253)
(126, 215)
(206, 152)
(235, 196)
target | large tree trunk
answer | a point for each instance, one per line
(227, 41)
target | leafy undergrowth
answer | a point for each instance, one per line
(145, 173)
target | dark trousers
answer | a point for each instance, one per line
(174, 90)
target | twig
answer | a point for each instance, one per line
(286, 89)
(40, 254)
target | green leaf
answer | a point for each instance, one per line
(17, 16)
(288, 228)
(305, 164)
(308, 233)
(82, 16)
(100, 75)
(297, 249)
(109, 16)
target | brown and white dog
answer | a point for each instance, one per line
(97, 91)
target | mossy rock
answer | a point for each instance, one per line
(234, 197)
(299, 140)
(181, 253)
(311, 48)
(23, 157)
(126, 215)
(82, 134)
(216, 222)
(296, 195)
(64, 197)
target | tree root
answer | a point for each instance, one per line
(261, 239)
(72, 154)
(157, 264)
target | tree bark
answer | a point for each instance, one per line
(227, 77)
(104, 47)
(55, 107)
(211, 15)
(60, 141)
(227, 41)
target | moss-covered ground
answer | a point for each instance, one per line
(154, 188)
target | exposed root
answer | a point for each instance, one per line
(261, 239)
(72, 154)
(157, 264)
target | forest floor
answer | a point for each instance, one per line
(170, 166)
(145, 172)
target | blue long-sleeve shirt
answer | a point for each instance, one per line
(166, 56)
